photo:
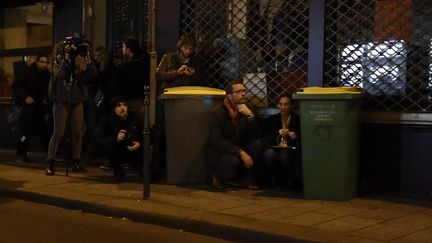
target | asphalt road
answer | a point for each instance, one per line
(22, 221)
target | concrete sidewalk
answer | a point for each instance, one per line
(249, 216)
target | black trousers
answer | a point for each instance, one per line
(283, 166)
(31, 123)
(227, 166)
(119, 155)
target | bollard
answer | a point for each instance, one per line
(146, 144)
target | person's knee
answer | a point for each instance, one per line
(254, 145)
(227, 166)
(229, 161)
(286, 158)
(57, 136)
(270, 157)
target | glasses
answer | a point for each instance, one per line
(240, 91)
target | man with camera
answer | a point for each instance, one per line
(72, 70)
(118, 136)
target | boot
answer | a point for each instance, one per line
(77, 167)
(50, 167)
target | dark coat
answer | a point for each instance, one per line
(225, 137)
(105, 135)
(75, 91)
(31, 82)
(134, 76)
(167, 71)
(272, 125)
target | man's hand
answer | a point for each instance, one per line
(29, 100)
(135, 146)
(247, 160)
(182, 69)
(242, 108)
(121, 135)
(189, 71)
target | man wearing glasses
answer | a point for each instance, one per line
(233, 145)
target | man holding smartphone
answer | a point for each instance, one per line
(179, 68)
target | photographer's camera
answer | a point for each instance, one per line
(75, 46)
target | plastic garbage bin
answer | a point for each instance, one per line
(329, 128)
(186, 131)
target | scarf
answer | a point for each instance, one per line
(234, 114)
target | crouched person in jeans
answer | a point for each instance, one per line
(118, 136)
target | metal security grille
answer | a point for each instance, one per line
(261, 42)
(127, 18)
(385, 48)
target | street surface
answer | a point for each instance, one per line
(22, 221)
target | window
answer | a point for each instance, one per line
(378, 68)
(24, 32)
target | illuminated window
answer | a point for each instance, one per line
(24, 32)
(378, 68)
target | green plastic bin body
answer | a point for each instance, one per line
(329, 130)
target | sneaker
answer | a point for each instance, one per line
(50, 167)
(77, 167)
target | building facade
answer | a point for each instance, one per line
(384, 47)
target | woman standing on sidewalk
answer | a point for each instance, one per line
(71, 71)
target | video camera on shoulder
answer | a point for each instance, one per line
(76, 45)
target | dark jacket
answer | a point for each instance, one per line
(225, 137)
(105, 135)
(134, 76)
(31, 82)
(73, 90)
(108, 83)
(167, 72)
(272, 125)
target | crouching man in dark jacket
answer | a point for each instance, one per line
(233, 147)
(119, 136)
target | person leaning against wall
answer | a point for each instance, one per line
(179, 68)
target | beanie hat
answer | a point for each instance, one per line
(116, 100)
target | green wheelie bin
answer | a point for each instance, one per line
(329, 139)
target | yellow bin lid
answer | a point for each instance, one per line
(331, 90)
(193, 90)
